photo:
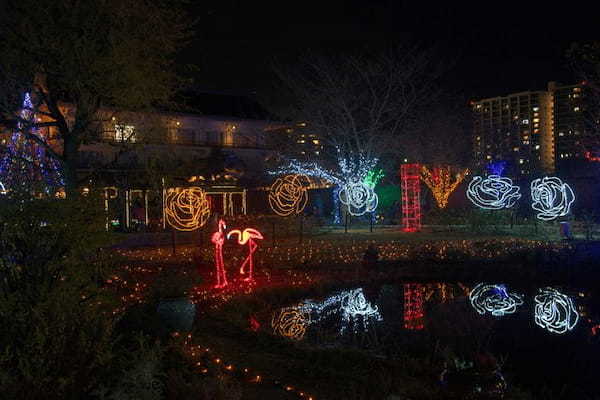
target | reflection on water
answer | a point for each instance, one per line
(452, 321)
(349, 308)
(494, 299)
(555, 311)
(413, 306)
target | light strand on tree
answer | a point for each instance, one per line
(494, 299)
(442, 182)
(551, 198)
(554, 311)
(493, 192)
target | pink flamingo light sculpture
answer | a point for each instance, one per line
(247, 236)
(218, 238)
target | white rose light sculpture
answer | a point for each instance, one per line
(554, 311)
(359, 197)
(551, 198)
(494, 299)
(493, 192)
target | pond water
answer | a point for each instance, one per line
(544, 338)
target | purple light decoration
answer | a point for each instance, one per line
(496, 167)
(24, 161)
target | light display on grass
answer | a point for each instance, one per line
(442, 182)
(248, 235)
(551, 198)
(411, 197)
(27, 162)
(187, 209)
(2, 189)
(218, 238)
(349, 175)
(494, 299)
(413, 306)
(554, 311)
(493, 192)
(291, 322)
(289, 194)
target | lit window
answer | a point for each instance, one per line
(125, 133)
(536, 108)
(537, 146)
(515, 149)
(488, 157)
(521, 161)
(301, 141)
(561, 134)
(536, 120)
(525, 121)
(315, 141)
(576, 109)
(316, 152)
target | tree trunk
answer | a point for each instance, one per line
(70, 150)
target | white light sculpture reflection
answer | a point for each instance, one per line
(494, 299)
(359, 197)
(2, 188)
(493, 192)
(554, 311)
(551, 198)
(352, 306)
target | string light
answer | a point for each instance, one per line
(2, 188)
(373, 177)
(359, 197)
(351, 305)
(291, 322)
(26, 160)
(218, 238)
(554, 311)
(187, 209)
(496, 167)
(442, 183)
(289, 195)
(247, 236)
(493, 192)
(411, 197)
(551, 197)
(413, 306)
(494, 299)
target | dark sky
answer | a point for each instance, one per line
(489, 50)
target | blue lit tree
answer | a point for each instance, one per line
(25, 164)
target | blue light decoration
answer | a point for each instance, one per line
(496, 167)
(25, 161)
(551, 198)
(554, 311)
(349, 176)
(494, 299)
(493, 192)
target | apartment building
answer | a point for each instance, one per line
(533, 131)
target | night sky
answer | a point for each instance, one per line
(486, 51)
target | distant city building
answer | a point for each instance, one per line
(534, 131)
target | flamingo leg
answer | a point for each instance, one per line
(250, 259)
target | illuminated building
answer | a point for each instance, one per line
(534, 131)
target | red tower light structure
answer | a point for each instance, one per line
(410, 178)
(413, 306)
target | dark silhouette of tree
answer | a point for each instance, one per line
(77, 57)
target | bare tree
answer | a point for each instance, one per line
(363, 108)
